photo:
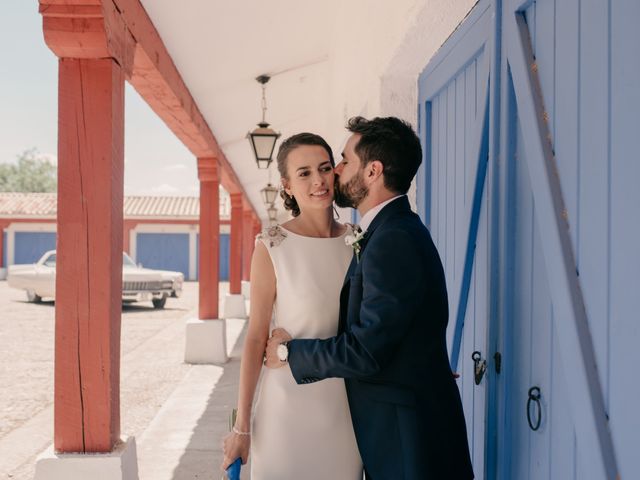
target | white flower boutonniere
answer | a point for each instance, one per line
(353, 240)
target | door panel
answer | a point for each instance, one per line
(453, 204)
(164, 251)
(29, 246)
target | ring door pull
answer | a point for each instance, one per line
(534, 400)
(479, 366)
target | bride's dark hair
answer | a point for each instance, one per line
(285, 149)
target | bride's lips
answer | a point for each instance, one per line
(320, 193)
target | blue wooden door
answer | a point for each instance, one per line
(569, 101)
(454, 112)
(164, 251)
(549, 246)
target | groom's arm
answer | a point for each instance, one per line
(393, 281)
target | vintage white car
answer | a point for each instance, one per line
(138, 284)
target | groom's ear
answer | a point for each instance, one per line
(374, 170)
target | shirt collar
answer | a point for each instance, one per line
(368, 217)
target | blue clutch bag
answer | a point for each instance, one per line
(233, 472)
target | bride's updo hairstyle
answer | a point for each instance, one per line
(285, 149)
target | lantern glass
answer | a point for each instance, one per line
(263, 141)
(269, 194)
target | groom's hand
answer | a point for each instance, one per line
(278, 336)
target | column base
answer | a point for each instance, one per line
(234, 306)
(206, 341)
(245, 289)
(121, 464)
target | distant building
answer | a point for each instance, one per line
(158, 231)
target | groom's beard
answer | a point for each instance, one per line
(351, 193)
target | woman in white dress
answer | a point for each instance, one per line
(297, 271)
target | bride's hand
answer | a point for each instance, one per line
(235, 446)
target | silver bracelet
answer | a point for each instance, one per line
(238, 432)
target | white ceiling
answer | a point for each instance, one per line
(219, 47)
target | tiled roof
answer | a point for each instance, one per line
(44, 205)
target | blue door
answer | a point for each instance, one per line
(556, 235)
(569, 101)
(164, 251)
(453, 112)
(29, 246)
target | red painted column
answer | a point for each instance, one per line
(208, 259)
(247, 244)
(89, 255)
(235, 257)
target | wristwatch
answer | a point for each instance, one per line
(283, 351)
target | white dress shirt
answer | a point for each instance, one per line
(368, 217)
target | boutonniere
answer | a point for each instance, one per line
(353, 240)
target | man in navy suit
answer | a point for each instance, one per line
(390, 347)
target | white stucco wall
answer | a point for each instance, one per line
(378, 50)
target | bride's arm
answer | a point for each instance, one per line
(263, 292)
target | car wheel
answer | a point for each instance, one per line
(159, 302)
(32, 297)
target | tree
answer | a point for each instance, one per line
(31, 173)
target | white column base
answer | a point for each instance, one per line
(206, 341)
(246, 289)
(121, 464)
(234, 306)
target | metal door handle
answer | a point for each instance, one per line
(479, 366)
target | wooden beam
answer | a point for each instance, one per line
(160, 84)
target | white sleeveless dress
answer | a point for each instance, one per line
(304, 432)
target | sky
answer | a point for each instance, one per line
(156, 163)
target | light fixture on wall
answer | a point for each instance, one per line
(263, 139)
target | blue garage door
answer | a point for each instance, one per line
(29, 246)
(164, 251)
(224, 257)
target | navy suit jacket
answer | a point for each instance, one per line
(391, 351)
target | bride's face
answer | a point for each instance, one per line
(310, 177)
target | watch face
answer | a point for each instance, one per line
(282, 352)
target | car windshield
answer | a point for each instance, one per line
(50, 260)
(127, 262)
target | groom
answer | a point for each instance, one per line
(390, 347)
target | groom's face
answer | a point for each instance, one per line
(350, 188)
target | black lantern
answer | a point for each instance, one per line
(263, 139)
(273, 214)
(269, 194)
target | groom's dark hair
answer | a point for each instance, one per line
(392, 142)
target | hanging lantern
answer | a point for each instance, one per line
(263, 139)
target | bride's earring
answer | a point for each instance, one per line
(336, 214)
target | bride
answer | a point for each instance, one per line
(297, 271)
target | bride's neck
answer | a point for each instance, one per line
(315, 223)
